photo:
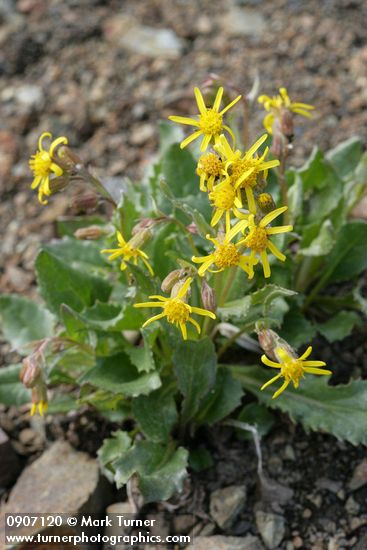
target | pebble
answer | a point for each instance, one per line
(9, 461)
(219, 542)
(359, 477)
(226, 504)
(271, 528)
(352, 506)
(243, 22)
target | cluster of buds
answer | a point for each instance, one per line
(32, 377)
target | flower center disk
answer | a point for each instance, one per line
(239, 167)
(176, 311)
(40, 163)
(257, 239)
(223, 198)
(211, 122)
(226, 255)
(211, 164)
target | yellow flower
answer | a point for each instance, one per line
(210, 123)
(279, 102)
(129, 251)
(176, 309)
(41, 406)
(243, 170)
(42, 165)
(292, 369)
(257, 238)
(225, 198)
(226, 254)
(210, 168)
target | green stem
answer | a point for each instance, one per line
(97, 184)
(189, 236)
(228, 285)
(283, 186)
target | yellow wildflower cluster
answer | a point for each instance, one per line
(231, 178)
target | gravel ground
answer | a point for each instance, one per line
(91, 70)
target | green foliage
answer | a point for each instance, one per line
(315, 404)
(23, 321)
(12, 391)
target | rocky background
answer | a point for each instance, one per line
(103, 73)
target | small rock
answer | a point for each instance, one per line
(359, 477)
(243, 22)
(29, 95)
(62, 480)
(226, 504)
(219, 542)
(271, 528)
(307, 513)
(9, 461)
(137, 38)
(289, 453)
(361, 544)
(352, 506)
(297, 542)
(183, 523)
(122, 509)
(329, 485)
(141, 133)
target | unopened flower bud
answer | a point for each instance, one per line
(39, 399)
(192, 228)
(171, 279)
(270, 340)
(31, 371)
(208, 296)
(90, 233)
(145, 223)
(58, 184)
(85, 202)
(266, 202)
(141, 238)
(176, 289)
(286, 124)
(67, 157)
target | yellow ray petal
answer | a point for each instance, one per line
(205, 312)
(272, 215)
(270, 363)
(200, 101)
(184, 120)
(265, 262)
(281, 389)
(190, 139)
(273, 249)
(230, 105)
(218, 99)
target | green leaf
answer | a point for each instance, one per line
(345, 156)
(62, 404)
(339, 410)
(316, 173)
(340, 326)
(61, 284)
(161, 470)
(349, 256)
(117, 375)
(22, 320)
(112, 317)
(257, 415)
(295, 198)
(169, 134)
(12, 391)
(84, 255)
(222, 400)
(112, 449)
(179, 171)
(195, 368)
(142, 356)
(323, 243)
(296, 329)
(156, 414)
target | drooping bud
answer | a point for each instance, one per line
(270, 341)
(146, 223)
(141, 238)
(208, 296)
(176, 289)
(31, 371)
(59, 183)
(265, 202)
(91, 233)
(171, 279)
(286, 124)
(85, 202)
(67, 158)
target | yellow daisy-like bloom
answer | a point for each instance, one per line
(226, 254)
(43, 165)
(279, 102)
(129, 251)
(41, 407)
(210, 167)
(210, 123)
(225, 198)
(243, 170)
(292, 369)
(176, 309)
(258, 240)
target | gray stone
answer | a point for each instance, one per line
(226, 543)
(226, 504)
(271, 528)
(29, 95)
(359, 477)
(243, 22)
(61, 481)
(127, 32)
